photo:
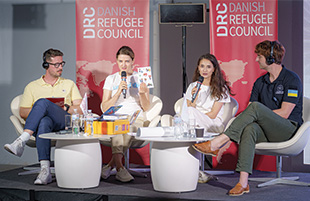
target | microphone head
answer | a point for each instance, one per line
(200, 79)
(123, 74)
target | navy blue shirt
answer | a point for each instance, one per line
(286, 88)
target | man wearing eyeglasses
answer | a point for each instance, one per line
(42, 115)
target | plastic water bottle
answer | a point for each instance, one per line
(89, 129)
(75, 122)
(178, 126)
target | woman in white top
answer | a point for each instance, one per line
(136, 98)
(207, 107)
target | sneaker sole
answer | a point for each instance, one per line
(49, 181)
(10, 151)
(124, 181)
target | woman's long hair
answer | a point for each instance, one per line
(218, 85)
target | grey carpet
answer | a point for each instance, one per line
(14, 187)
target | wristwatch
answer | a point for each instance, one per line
(67, 107)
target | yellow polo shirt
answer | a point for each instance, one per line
(40, 89)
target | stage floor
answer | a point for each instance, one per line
(14, 187)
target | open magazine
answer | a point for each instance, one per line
(112, 110)
(134, 117)
(111, 116)
(60, 101)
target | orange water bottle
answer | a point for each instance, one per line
(89, 129)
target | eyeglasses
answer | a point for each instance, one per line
(58, 64)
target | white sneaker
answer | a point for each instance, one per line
(203, 177)
(123, 175)
(16, 148)
(45, 177)
(106, 171)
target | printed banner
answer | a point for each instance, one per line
(102, 27)
(235, 29)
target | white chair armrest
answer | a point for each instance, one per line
(291, 147)
(19, 127)
(155, 108)
(166, 120)
(154, 121)
(229, 122)
(17, 124)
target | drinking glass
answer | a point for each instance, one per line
(68, 124)
(191, 128)
(200, 131)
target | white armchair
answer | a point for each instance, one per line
(291, 147)
(19, 124)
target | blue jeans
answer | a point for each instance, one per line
(45, 117)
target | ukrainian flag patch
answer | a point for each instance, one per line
(292, 93)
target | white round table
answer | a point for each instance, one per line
(174, 163)
(77, 160)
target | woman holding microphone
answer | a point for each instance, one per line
(206, 96)
(122, 88)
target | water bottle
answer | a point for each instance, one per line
(178, 126)
(75, 122)
(88, 126)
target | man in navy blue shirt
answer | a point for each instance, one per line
(273, 115)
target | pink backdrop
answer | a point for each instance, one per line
(102, 27)
(236, 27)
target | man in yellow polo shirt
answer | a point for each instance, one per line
(42, 115)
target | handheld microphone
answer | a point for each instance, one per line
(199, 82)
(123, 76)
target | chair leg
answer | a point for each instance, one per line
(284, 180)
(34, 170)
(279, 179)
(138, 172)
(212, 172)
